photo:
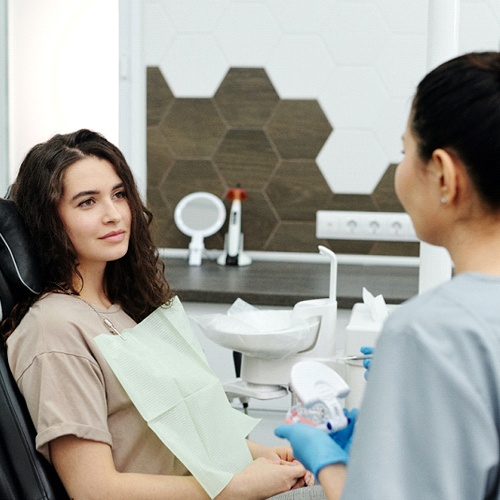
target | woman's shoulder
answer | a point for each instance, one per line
(55, 307)
(464, 303)
(56, 322)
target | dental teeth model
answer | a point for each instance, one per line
(318, 389)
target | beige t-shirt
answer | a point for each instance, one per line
(70, 389)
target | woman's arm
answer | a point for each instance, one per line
(332, 478)
(87, 471)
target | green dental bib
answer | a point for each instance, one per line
(163, 369)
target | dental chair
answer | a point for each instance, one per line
(24, 473)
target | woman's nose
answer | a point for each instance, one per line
(111, 213)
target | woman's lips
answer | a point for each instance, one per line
(114, 236)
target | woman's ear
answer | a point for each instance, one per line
(449, 171)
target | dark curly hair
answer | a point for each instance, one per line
(136, 281)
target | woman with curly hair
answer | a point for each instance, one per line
(101, 269)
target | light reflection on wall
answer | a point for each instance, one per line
(63, 70)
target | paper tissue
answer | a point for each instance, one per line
(363, 329)
(268, 334)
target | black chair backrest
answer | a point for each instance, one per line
(24, 473)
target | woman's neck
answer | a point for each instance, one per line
(476, 247)
(91, 288)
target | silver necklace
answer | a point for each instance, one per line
(107, 322)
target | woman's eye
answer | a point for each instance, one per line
(86, 203)
(120, 194)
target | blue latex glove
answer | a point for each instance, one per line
(344, 437)
(367, 362)
(311, 446)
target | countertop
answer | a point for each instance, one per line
(286, 283)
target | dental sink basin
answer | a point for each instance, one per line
(261, 333)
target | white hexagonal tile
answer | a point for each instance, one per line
(479, 28)
(301, 18)
(494, 5)
(355, 33)
(299, 66)
(194, 65)
(158, 35)
(194, 16)
(352, 161)
(353, 97)
(403, 63)
(410, 18)
(390, 126)
(246, 32)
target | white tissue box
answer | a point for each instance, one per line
(362, 330)
(362, 321)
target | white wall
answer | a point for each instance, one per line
(361, 59)
(4, 122)
(63, 70)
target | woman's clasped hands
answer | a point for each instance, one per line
(275, 470)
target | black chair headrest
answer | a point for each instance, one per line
(20, 272)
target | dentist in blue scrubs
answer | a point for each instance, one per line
(429, 425)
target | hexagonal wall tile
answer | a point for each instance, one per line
(384, 194)
(297, 190)
(202, 68)
(246, 158)
(158, 36)
(300, 65)
(294, 236)
(357, 155)
(236, 29)
(274, 148)
(193, 128)
(188, 176)
(361, 35)
(159, 157)
(193, 15)
(159, 96)
(479, 28)
(299, 128)
(354, 97)
(246, 97)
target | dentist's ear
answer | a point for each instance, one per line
(450, 173)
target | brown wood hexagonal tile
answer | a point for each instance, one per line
(246, 97)
(298, 190)
(159, 157)
(299, 128)
(159, 96)
(246, 158)
(193, 128)
(188, 176)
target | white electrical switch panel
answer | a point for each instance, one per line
(376, 226)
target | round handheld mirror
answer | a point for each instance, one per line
(199, 215)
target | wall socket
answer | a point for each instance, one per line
(375, 226)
